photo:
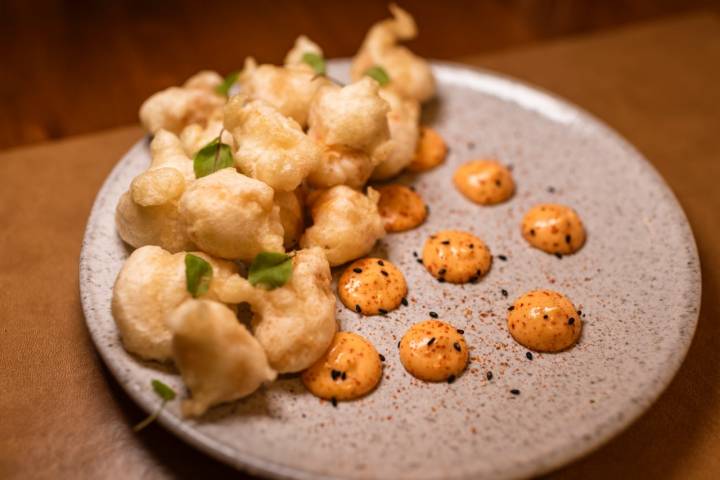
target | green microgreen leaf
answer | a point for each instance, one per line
(198, 274)
(212, 157)
(166, 394)
(224, 88)
(378, 73)
(162, 390)
(270, 269)
(317, 62)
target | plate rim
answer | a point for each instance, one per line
(271, 469)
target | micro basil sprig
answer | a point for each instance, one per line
(166, 394)
(270, 270)
(379, 74)
(198, 274)
(316, 61)
(212, 157)
(227, 83)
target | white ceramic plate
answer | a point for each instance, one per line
(637, 281)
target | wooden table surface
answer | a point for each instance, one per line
(63, 415)
(72, 67)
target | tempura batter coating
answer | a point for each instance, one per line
(232, 216)
(346, 223)
(289, 89)
(351, 125)
(291, 216)
(218, 358)
(150, 285)
(294, 323)
(175, 108)
(302, 46)
(404, 122)
(410, 76)
(269, 146)
(148, 213)
(352, 116)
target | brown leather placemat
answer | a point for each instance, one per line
(62, 415)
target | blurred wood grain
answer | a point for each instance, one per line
(71, 67)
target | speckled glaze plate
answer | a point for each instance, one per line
(636, 280)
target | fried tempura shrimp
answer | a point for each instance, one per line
(346, 223)
(294, 323)
(410, 76)
(232, 216)
(218, 358)
(403, 120)
(150, 285)
(351, 124)
(148, 213)
(175, 108)
(269, 146)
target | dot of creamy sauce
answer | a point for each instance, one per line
(544, 321)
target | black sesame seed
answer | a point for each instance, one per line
(333, 400)
(568, 238)
(515, 391)
(472, 245)
(532, 232)
(385, 274)
(335, 374)
(451, 379)
(382, 311)
(473, 279)
(497, 183)
(399, 343)
(441, 280)
(404, 302)
(579, 313)
(381, 263)
(343, 376)
(415, 254)
(460, 331)
(457, 347)
(511, 308)
(445, 242)
(559, 255)
(529, 355)
(433, 314)
(571, 320)
(545, 317)
(431, 341)
(382, 357)
(357, 270)
(504, 293)
(442, 271)
(358, 309)
(419, 260)
(478, 272)
(503, 258)
(489, 376)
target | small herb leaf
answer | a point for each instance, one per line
(224, 88)
(270, 269)
(163, 391)
(166, 394)
(378, 73)
(212, 157)
(198, 274)
(317, 62)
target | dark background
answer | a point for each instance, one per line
(71, 67)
